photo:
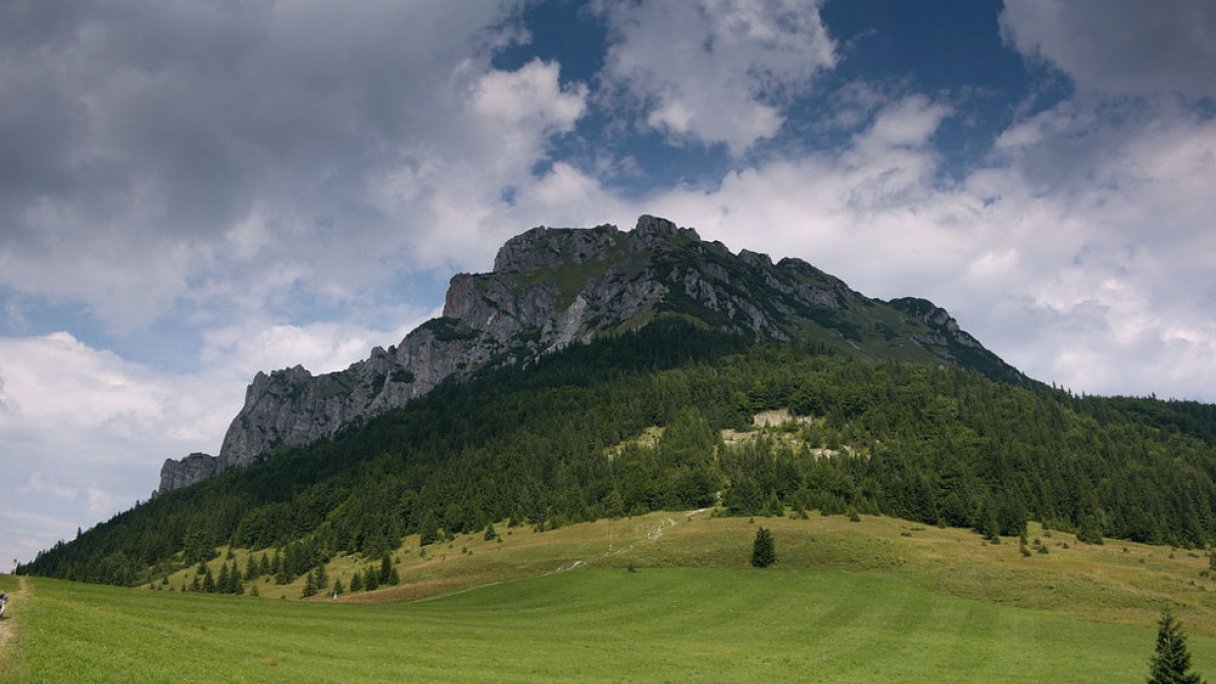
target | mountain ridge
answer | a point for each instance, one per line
(552, 287)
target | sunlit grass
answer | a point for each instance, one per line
(877, 600)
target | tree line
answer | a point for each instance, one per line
(555, 443)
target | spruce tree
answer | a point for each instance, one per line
(236, 586)
(208, 582)
(338, 588)
(764, 552)
(264, 565)
(224, 583)
(491, 533)
(251, 568)
(386, 568)
(428, 530)
(1171, 660)
(356, 582)
(1090, 531)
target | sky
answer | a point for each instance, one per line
(193, 191)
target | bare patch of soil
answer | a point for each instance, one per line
(8, 627)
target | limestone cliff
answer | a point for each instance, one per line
(191, 469)
(551, 287)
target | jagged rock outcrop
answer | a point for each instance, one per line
(191, 469)
(552, 287)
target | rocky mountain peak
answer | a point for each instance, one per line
(650, 232)
(552, 287)
(548, 248)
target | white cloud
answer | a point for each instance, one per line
(25, 534)
(1095, 276)
(83, 432)
(1120, 46)
(717, 71)
(244, 349)
(532, 96)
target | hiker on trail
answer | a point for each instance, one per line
(3, 603)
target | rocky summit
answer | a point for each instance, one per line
(552, 287)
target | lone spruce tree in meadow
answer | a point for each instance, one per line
(1171, 660)
(764, 553)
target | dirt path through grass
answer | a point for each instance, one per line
(7, 626)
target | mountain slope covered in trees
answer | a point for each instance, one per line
(556, 443)
(551, 287)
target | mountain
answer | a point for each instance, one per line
(673, 416)
(552, 287)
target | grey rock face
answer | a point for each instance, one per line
(549, 248)
(193, 468)
(552, 287)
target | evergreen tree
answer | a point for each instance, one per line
(764, 553)
(428, 530)
(322, 577)
(986, 521)
(614, 505)
(235, 585)
(386, 568)
(264, 566)
(1171, 660)
(338, 588)
(208, 582)
(1090, 531)
(491, 533)
(251, 569)
(774, 507)
(356, 582)
(309, 587)
(224, 582)
(253, 591)
(394, 578)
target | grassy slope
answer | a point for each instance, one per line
(847, 602)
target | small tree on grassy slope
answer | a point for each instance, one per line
(764, 553)
(1171, 660)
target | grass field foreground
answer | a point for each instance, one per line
(656, 624)
(876, 600)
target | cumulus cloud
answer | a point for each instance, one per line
(1120, 46)
(243, 349)
(716, 71)
(84, 431)
(219, 155)
(1088, 267)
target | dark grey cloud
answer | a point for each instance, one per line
(149, 132)
(1121, 46)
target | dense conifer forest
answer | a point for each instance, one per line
(556, 443)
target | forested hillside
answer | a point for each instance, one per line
(555, 443)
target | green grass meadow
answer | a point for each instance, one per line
(656, 624)
(881, 600)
